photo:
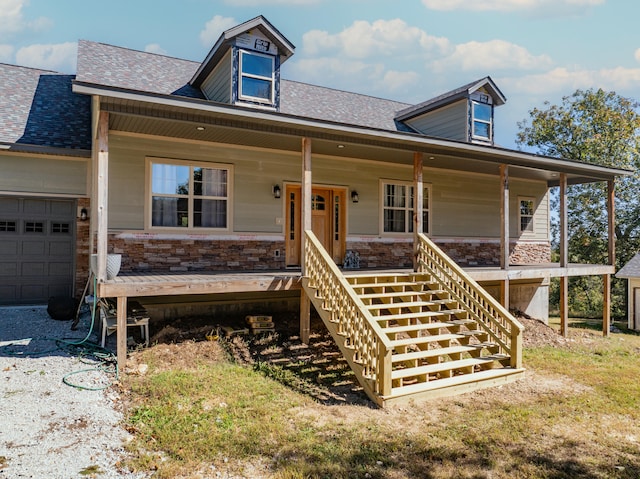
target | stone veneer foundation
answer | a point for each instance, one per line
(182, 255)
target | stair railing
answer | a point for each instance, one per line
(372, 348)
(490, 315)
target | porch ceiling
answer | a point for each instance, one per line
(223, 124)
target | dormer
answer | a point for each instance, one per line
(463, 114)
(243, 67)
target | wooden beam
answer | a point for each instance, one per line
(305, 317)
(305, 198)
(504, 293)
(307, 183)
(103, 194)
(121, 332)
(418, 189)
(611, 216)
(564, 228)
(606, 305)
(504, 217)
(564, 306)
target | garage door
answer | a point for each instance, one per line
(36, 249)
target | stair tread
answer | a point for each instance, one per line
(454, 381)
(429, 353)
(425, 339)
(422, 314)
(405, 304)
(415, 327)
(399, 294)
(444, 366)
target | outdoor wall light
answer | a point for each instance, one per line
(354, 196)
(276, 191)
(84, 214)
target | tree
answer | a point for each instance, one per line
(603, 128)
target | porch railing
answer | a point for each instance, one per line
(370, 349)
(502, 327)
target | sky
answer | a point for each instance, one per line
(536, 51)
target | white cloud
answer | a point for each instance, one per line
(214, 27)
(397, 81)
(345, 74)
(12, 20)
(59, 57)
(6, 53)
(560, 6)
(380, 38)
(491, 56)
(155, 48)
(637, 55)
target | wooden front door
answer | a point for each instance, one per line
(328, 213)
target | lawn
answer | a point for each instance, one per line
(245, 409)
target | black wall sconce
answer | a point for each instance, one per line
(84, 214)
(276, 191)
(354, 196)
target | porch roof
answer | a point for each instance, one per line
(168, 115)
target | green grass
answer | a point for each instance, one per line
(575, 415)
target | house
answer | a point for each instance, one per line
(222, 182)
(631, 272)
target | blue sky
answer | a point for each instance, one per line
(405, 50)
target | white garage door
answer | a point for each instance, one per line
(36, 249)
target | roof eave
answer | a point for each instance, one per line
(407, 140)
(43, 150)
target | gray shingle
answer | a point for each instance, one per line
(37, 107)
(631, 269)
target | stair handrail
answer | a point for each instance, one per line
(490, 315)
(373, 347)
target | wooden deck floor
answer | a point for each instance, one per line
(140, 284)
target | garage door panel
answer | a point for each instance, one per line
(60, 248)
(9, 293)
(34, 292)
(62, 208)
(9, 207)
(59, 289)
(9, 246)
(59, 269)
(33, 268)
(34, 248)
(8, 269)
(35, 207)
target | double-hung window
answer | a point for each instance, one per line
(257, 77)
(525, 212)
(398, 205)
(481, 120)
(189, 195)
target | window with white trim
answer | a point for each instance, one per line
(397, 207)
(189, 195)
(257, 77)
(525, 212)
(481, 120)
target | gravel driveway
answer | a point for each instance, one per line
(49, 429)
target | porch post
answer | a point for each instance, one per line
(121, 332)
(305, 302)
(606, 304)
(418, 191)
(504, 233)
(103, 194)
(504, 216)
(564, 258)
(611, 216)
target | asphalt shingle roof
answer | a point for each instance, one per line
(119, 67)
(38, 108)
(631, 269)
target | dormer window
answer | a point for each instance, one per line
(481, 117)
(257, 77)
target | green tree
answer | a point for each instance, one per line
(598, 127)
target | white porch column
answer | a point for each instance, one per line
(611, 216)
(102, 195)
(306, 191)
(418, 191)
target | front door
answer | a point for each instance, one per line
(328, 214)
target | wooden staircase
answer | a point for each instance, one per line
(410, 335)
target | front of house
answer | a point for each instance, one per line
(222, 166)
